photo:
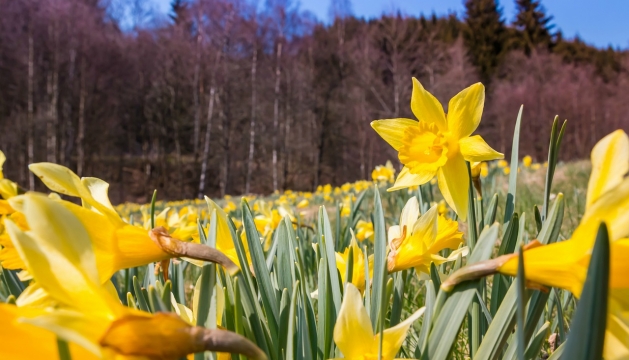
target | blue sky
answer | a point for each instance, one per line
(598, 22)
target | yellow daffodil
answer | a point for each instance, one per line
(8, 189)
(21, 340)
(364, 230)
(536, 166)
(417, 240)
(117, 245)
(506, 170)
(354, 335)
(384, 173)
(358, 264)
(438, 145)
(502, 164)
(224, 241)
(564, 264)
(59, 253)
(527, 161)
(303, 204)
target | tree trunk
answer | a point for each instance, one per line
(196, 96)
(252, 126)
(80, 145)
(276, 112)
(67, 131)
(206, 143)
(53, 96)
(29, 121)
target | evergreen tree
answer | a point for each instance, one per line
(532, 25)
(485, 35)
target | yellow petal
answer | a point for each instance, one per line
(21, 340)
(394, 337)
(475, 149)
(392, 130)
(2, 160)
(410, 213)
(426, 225)
(465, 110)
(99, 190)
(353, 333)
(405, 179)
(610, 162)
(454, 184)
(611, 207)
(62, 180)
(426, 107)
(8, 189)
(562, 265)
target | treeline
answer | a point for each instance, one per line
(225, 98)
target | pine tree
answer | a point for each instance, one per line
(532, 25)
(485, 35)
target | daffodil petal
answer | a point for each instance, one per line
(610, 162)
(426, 107)
(353, 323)
(475, 149)
(99, 190)
(454, 184)
(410, 213)
(394, 337)
(426, 225)
(392, 130)
(406, 179)
(21, 340)
(562, 265)
(465, 110)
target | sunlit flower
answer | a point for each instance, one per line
(354, 335)
(564, 264)
(303, 204)
(59, 254)
(527, 161)
(117, 245)
(506, 170)
(358, 265)
(438, 145)
(384, 173)
(417, 240)
(364, 230)
(502, 164)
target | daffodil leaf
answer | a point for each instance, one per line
(513, 174)
(507, 246)
(142, 301)
(380, 262)
(534, 348)
(587, 335)
(450, 316)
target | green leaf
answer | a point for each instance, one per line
(519, 333)
(290, 340)
(507, 246)
(380, 261)
(513, 175)
(63, 350)
(537, 342)
(139, 295)
(450, 317)
(587, 335)
(155, 301)
(153, 199)
(263, 277)
(327, 250)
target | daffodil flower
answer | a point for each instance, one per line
(358, 264)
(564, 264)
(59, 253)
(8, 189)
(364, 230)
(354, 335)
(438, 145)
(417, 240)
(117, 245)
(383, 173)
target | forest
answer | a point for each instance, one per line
(224, 92)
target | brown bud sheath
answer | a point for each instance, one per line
(178, 248)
